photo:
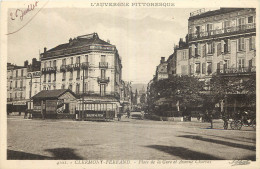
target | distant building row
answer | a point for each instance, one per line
(87, 65)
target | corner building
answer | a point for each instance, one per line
(90, 67)
(222, 42)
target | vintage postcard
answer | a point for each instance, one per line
(129, 84)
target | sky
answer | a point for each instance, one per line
(141, 35)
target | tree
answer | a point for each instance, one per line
(184, 90)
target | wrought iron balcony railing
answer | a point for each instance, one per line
(84, 65)
(103, 65)
(103, 79)
(221, 32)
(237, 70)
(97, 93)
(63, 68)
(49, 69)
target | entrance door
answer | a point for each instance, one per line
(66, 108)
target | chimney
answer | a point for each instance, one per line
(108, 41)
(34, 60)
(162, 59)
(45, 49)
(26, 63)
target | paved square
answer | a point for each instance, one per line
(130, 139)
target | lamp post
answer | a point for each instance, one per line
(83, 91)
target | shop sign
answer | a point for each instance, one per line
(34, 74)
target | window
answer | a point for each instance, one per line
(226, 64)
(219, 49)
(85, 87)
(15, 95)
(70, 87)
(78, 59)
(49, 63)
(241, 23)
(184, 57)
(190, 52)
(44, 78)
(15, 84)
(45, 64)
(197, 67)
(21, 95)
(252, 43)
(226, 45)
(209, 29)
(226, 24)
(103, 73)
(196, 50)
(86, 58)
(63, 61)
(203, 68)
(103, 58)
(63, 86)
(10, 95)
(210, 48)
(241, 43)
(71, 60)
(102, 89)
(77, 88)
(22, 72)
(71, 75)
(63, 76)
(209, 68)
(250, 19)
(78, 74)
(241, 63)
(85, 71)
(54, 63)
(54, 77)
(16, 73)
(49, 78)
(21, 83)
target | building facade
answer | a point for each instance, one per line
(88, 66)
(161, 70)
(222, 41)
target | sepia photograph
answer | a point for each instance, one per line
(128, 82)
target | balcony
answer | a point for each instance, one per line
(18, 98)
(244, 70)
(69, 67)
(63, 68)
(84, 65)
(76, 66)
(223, 32)
(103, 79)
(9, 99)
(103, 65)
(49, 69)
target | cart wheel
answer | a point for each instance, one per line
(236, 125)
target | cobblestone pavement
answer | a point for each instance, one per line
(130, 139)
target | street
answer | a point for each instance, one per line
(130, 139)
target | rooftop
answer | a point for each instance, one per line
(81, 41)
(51, 94)
(215, 12)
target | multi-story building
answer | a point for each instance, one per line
(161, 70)
(222, 41)
(178, 62)
(16, 87)
(87, 65)
(18, 84)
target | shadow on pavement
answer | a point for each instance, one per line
(64, 154)
(236, 145)
(58, 154)
(184, 153)
(229, 138)
(18, 155)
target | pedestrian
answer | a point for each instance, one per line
(128, 113)
(119, 116)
